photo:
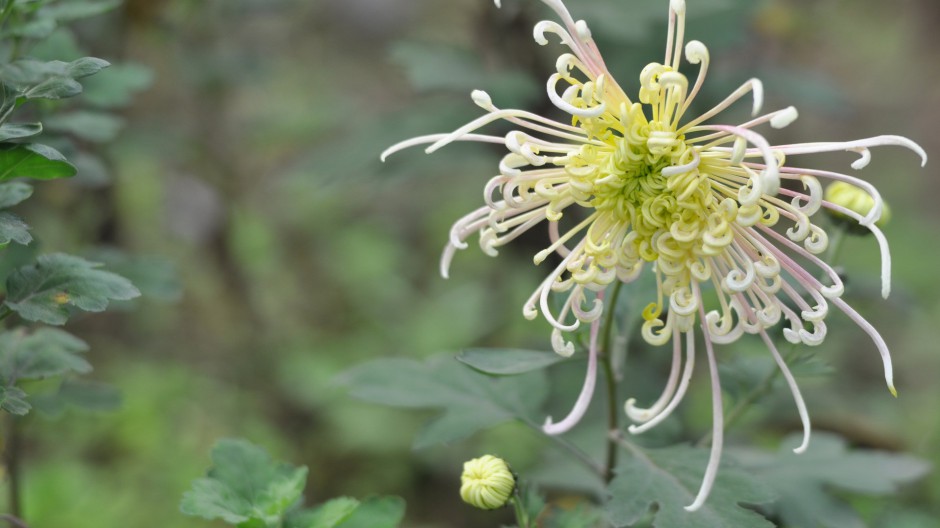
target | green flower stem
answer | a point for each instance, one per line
(5, 312)
(759, 391)
(607, 357)
(522, 516)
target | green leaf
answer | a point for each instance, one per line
(12, 228)
(74, 10)
(670, 479)
(244, 486)
(33, 161)
(13, 400)
(806, 482)
(471, 401)
(12, 193)
(19, 130)
(77, 394)
(327, 515)
(504, 361)
(156, 277)
(52, 79)
(376, 512)
(44, 353)
(91, 126)
(43, 291)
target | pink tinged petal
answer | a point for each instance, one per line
(653, 421)
(860, 146)
(587, 391)
(714, 459)
(794, 389)
(875, 336)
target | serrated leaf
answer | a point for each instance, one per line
(244, 486)
(506, 362)
(670, 479)
(91, 126)
(805, 482)
(376, 512)
(471, 401)
(33, 160)
(13, 400)
(19, 130)
(327, 515)
(41, 354)
(13, 228)
(43, 291)
(12, 193)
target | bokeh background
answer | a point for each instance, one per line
(251, 163)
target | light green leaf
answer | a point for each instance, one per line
(116, 86)
(12, 193)
(376, 512)
(327, 515)
(33, 161)
(19, 130)
(12, 228)
(806, 482)
(244, 486)
(43, 291)
(52, 79)
(504, 361)
(669, 479)
(91, 126)
(44, 353)
(472, 401)
(13, 400)
(156, 277)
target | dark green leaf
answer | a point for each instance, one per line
(12, 228)
(91, 126)
(805, 482)
(505, 361)
(376, 512)
(76, 394)
(13, 400)
(12, 193)
(471, 401)
(44, 353)
(670, 479)
(19, 130)
(43, 291)
(33, 161)
(327, 515)
(244, 486)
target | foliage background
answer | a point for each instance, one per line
(252, 163)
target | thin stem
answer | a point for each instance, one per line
(5, 312)
(607, 359)
(522, 516)
(835, 245)
(14, 521)
(759, 391)
(11, 456)
(574, 450)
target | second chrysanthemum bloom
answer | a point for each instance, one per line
(640, 184)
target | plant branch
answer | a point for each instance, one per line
(611, 383)
(14, 521)
(11, 459)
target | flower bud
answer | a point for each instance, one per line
(856, 200)
(486, 482)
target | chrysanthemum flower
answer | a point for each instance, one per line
(641, 184)
(486, 483)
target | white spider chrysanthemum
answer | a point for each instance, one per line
(647, 185)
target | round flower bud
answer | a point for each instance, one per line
(854, 199)
(486, 482)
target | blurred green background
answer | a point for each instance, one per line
(252, 163)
